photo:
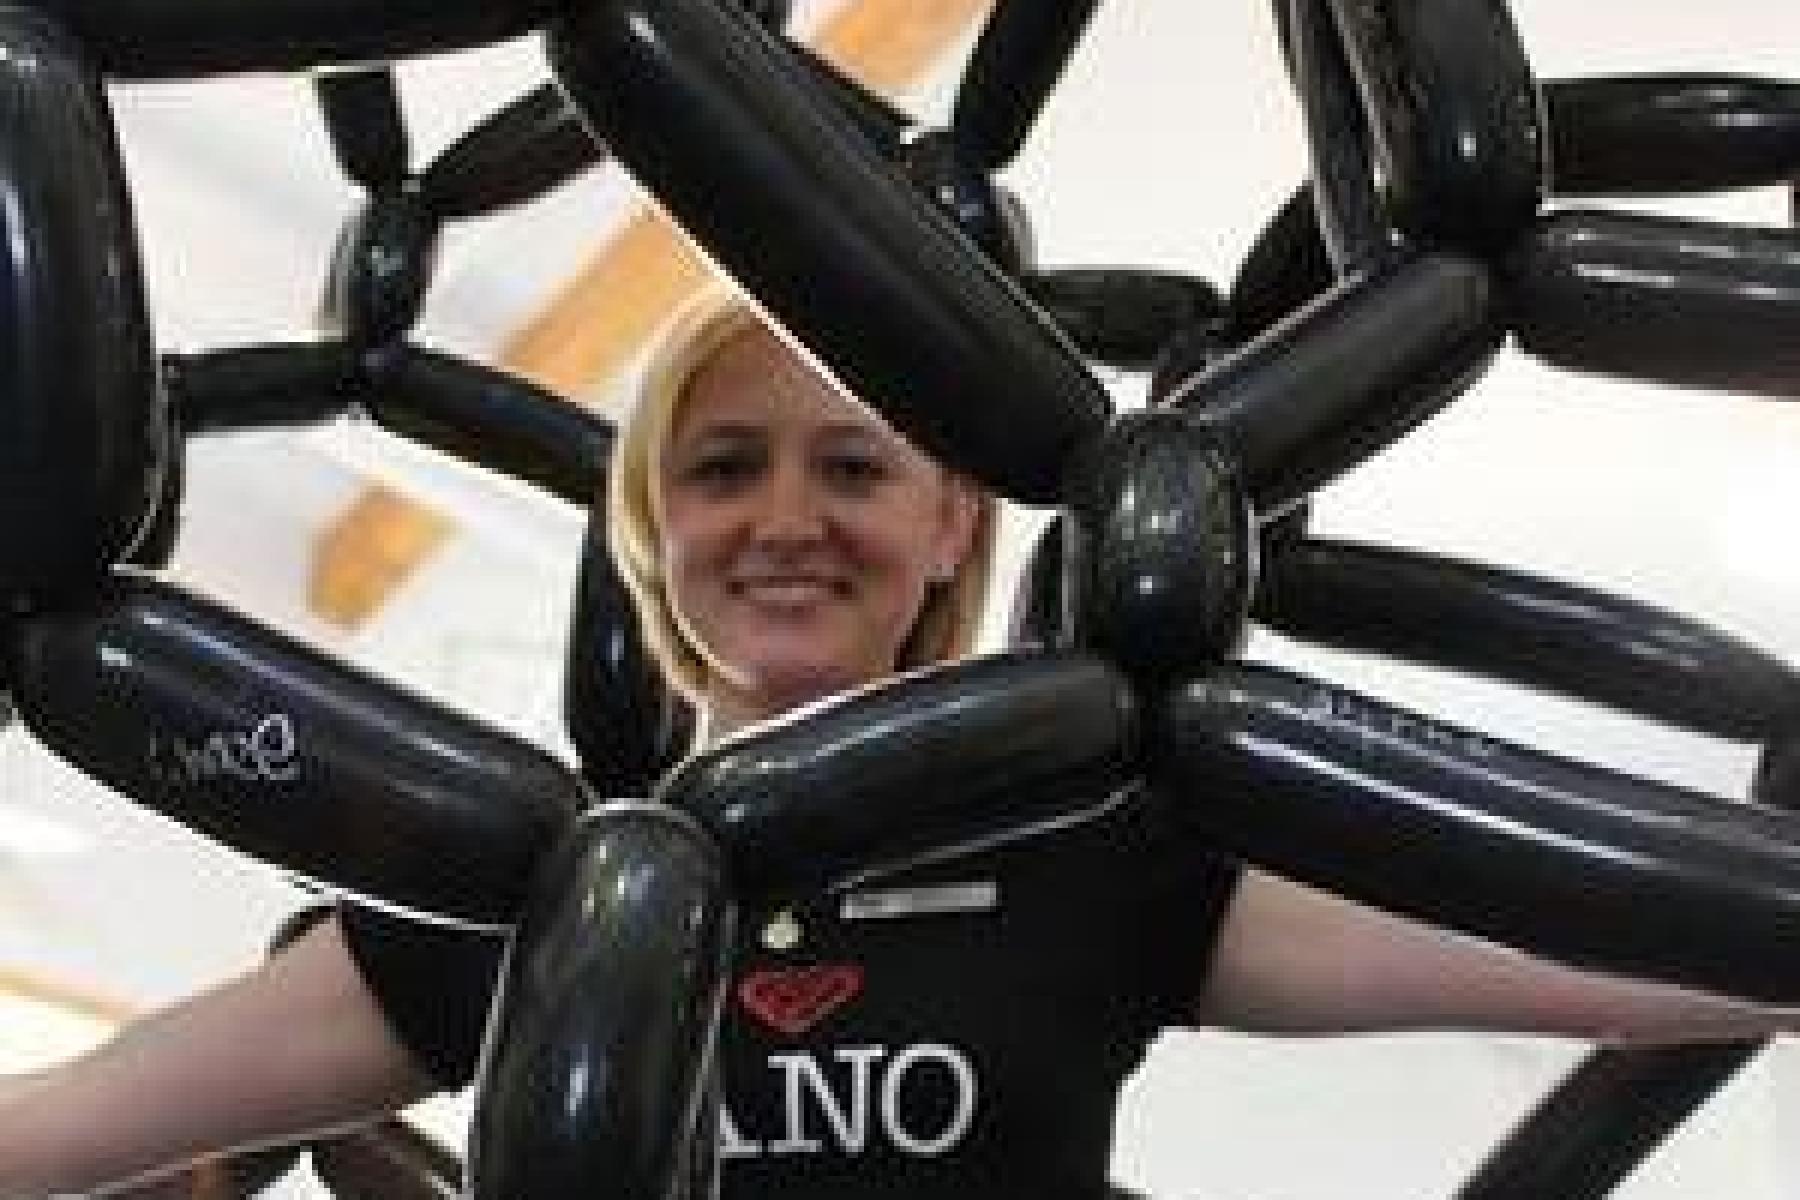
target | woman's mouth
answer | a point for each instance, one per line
(790, 591)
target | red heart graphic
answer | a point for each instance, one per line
(792, 1001)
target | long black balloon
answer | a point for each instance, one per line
(1603, 1120)
(1349, 374)
(710, 113)
(1572, 862)
(1124, 316)
(386, 1160)
(275, 750)
(175, 39)
(1287, 266)
(538, 143)
(260, 387)
(367, 128)
(81, 416)
(1021, 53)
(1357, 232)
(519, 153)
(596, 1057)
(493, 419)
(927, 764)
(1663, 134)
(1686, 303)
(1453, 114)
(1541, 633)
(1621, 1101)
(627, 725)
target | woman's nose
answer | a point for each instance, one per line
(790, 508)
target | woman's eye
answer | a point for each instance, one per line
(856, 470)
(721, 469)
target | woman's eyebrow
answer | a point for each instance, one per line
(721, 430)
(860, 430)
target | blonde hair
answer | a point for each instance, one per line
(951, 615)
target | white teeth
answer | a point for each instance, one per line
(790, 592)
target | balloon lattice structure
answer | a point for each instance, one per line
(1375, 297)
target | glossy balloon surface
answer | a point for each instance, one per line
(517, 154)
(1565, 638)
(858, 785)
(606, 1015)
(1662, 134)
(1017, 60)
(243, 735)
(151, 39)
(492, 419)
(1453, 112)
(1348, 374)
(1688, 303)
(81, 417)
(1162, 548)
(381, 268)
(260, 387)
(1558, 858)
(695, 99)
(627, 724)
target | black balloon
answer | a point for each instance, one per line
(1286, 268)
(386, 1160)
(1349, 374)
(596, 1058)
(703, 106)
(367, 129)
(381, 267)
(1573, 862)
(885, 125)
(1661, 134)
(1542, 633)
(1124, 316)
(1604, 1119)
(151, 39)
(1017, 60)
(628, 726)
(1357, 232)
(859, 785)
(273, 749)
(1621, 1101)
(1687, 303)
(1453, 113)
(81, 416)
(260, 387)
(492, 419)
(1161, 554)
(519, 153)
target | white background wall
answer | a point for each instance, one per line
(1171, 141)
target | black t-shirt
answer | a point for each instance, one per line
(957, 1028)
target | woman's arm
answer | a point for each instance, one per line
(295, 1047)
(1292, 960)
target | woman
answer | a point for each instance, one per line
(962, 1028)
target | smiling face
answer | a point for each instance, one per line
(798, 534)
